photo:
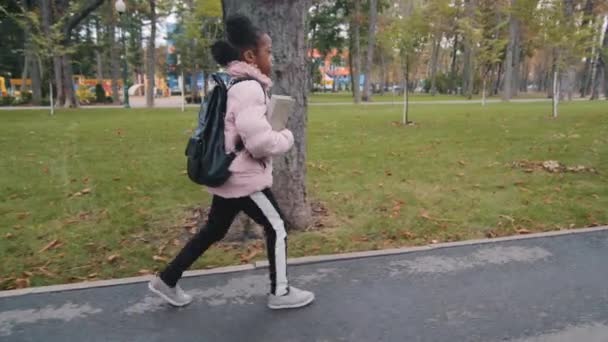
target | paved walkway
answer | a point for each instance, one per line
(545, 289)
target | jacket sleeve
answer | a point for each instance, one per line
(252, 124)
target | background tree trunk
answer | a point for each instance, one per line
(434, 61)
(114, 56)
(36, 80)
(507, 89)
(357, 52)
(150, 54)
(371, 42)
(285, 20)
(566, 83)
(467, 72)
(590, 57)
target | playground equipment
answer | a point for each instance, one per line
(3, 91)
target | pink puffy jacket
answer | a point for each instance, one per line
(247, 121)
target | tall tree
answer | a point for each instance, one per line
(356, 50)
(601, 74)
(371, 42)
(285, 21)
(150, 57)
(469, 54)
(510, 71)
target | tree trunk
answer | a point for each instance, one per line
(453, 70)
(114, 56)
(285, 21)
(590, 56)
(68, 80)
(382, 72)
(371, 42)
(516, 62)
(556, 92)
(467, 72)
(507, 90)
(357, 52)
(499, 73)
(434, 61)
(151, 60)
(36, 80)
(569, 71)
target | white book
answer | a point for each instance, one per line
(280, 109)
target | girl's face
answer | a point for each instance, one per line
(262, 55)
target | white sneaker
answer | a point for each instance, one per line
(294, 298)
(174, 295)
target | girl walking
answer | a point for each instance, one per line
(247, 54)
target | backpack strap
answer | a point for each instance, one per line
(240, 146)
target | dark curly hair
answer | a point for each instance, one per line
(241, 35)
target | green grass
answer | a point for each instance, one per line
(447, 178)
(339, 97)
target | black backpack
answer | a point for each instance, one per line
(208, 161)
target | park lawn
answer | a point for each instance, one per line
(346, 97)
(99, 193)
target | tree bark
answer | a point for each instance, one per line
(371, 42)
(114, 56)
(284, 20)
(434, 61)
(150, 54)
(507, 90)
(382, 72)
(566, 83)
(36, 80)
(590, 58)
(68, 82)
(357, 52)
(467, 72)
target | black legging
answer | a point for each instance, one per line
(264, 210)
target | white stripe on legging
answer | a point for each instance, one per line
(275, 220)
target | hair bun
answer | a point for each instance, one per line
(224, 53)
(240, 31)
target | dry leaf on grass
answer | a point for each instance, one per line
(248, 257)
(144, 271)
(523, 231)
(8, 236)
(51, 245)
(22, 283)
(159, 258)
(113, 258)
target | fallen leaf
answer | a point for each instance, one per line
(53, 244)
(113, 257)
(116, 179)
(523, 231)
(596, 196)
(159, 258)
(247, 258)
(22, 283)
(85, 191)
(85, 180)
(129, 188)
(144, 271)
(462, 162)
(92, 275)
(388, 173)
(434, 242)
(21, 216)
(425, 214)
(461, 174)
(491, 234)
(28, 274)
(45, 170)
(46, 272)
(8, 236)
